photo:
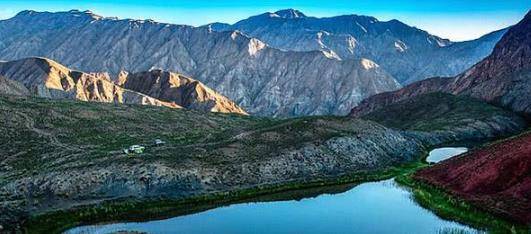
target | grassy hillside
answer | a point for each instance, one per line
(436, 111)
(40, 135)
(78, 146)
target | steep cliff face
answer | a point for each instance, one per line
(503, 78)
(261, 79)
(407, 53)
(178, 89)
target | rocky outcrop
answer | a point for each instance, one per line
(46, 78)
(407, 53)
(178, 89)
(503, 78)
(263, 80)
(11, 87)
(495, 178)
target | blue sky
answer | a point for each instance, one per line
(454, 19)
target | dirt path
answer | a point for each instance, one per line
(30, 124)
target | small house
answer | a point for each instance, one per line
(158, 142)
(137, 149)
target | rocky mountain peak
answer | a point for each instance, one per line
(25, 13)
(66, 15)
(85, 13)
(399, 49)
(262, 79)
(502, 78)
(290, 14)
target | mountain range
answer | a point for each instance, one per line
(46, 78)
(409, 54)
(261, 79)
(503, 78)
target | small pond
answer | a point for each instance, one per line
(441, 154)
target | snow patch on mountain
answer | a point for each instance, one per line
(368, 64)
(400, 46)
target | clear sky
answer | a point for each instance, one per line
(453, 19)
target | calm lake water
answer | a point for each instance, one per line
(374, 207)
(441, 154)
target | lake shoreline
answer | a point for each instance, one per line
(466, 208)
(141, 209)
(135, 209)
(450, 207)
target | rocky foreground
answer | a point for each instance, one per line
(61, 154)
(496, 178)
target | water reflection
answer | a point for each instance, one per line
(374, 207)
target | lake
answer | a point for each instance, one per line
(373, 207)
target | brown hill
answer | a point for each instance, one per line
(176, 88)
(503, 78)
(46, 78)
(496, 178)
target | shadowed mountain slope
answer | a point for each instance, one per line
(75, 153)
(503, 78)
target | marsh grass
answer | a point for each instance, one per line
(452, 208)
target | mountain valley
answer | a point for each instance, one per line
(150, 123)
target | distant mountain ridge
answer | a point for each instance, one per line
(407, 53)
(263, 80)
(46, 78)
(503, 78)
